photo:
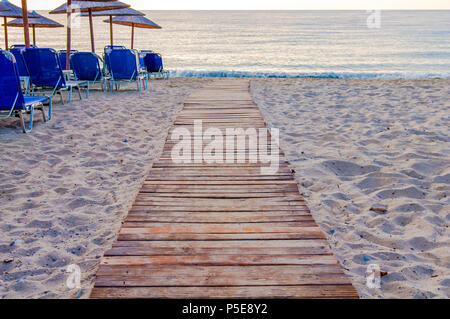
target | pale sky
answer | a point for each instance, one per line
(263, 4)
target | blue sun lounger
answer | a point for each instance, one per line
(123, 65)
(46, 75)
(86, 67)
(153, 65)
(142, 68)
(21, 67)
(142, 55)
(12, 100)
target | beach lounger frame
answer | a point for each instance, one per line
(21, 104)
(61, 83)
(21, 46)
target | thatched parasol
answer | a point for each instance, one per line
(11, 11)
(134, 22)
(38, 22)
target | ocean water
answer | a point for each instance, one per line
(335, 44)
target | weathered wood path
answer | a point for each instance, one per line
(220, 230)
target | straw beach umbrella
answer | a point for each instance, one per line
(115, 13)
(38, 22)
(11, 11)
(89, 7)
(134, 22)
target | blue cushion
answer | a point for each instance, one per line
(30, 100)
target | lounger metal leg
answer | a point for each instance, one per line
(70, 95)
(22, 120)
(43, 112)
(50, 109)
(27, 86)
(62, 99)
(79, 92)
(30, 124)
(20, 114)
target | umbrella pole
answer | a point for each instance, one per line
(91, 27)
(34, 34)
(5, 20)
(111, 31)
(26, 28)
(132, 36)
(69, 27)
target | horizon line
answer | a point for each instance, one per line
(312, 9)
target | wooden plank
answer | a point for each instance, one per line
(176, 275)
(223, 260)
(137, 250)
(268, 183)
(183, 217)
(224, 182)
(305, 233)
(296, 211)
(211, 228)
(225, 247)
(150, 228)
(260, 292)
(263, 208)
(244, 244)
(149, 199)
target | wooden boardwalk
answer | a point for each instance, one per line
(220, 230)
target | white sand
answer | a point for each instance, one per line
(66, 187)
(357, 145)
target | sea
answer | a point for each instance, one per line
(322, 44)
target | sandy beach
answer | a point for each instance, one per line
(372, 159)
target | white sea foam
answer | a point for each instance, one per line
(321, 75)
